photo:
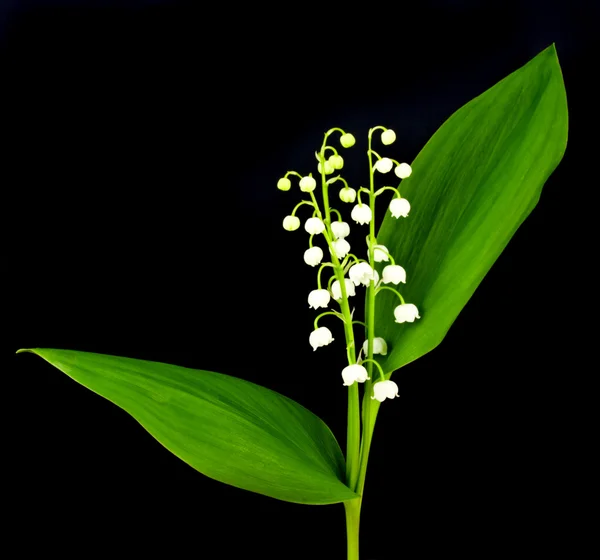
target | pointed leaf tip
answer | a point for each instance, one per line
(473, 184)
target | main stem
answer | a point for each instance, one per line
(353, 434)
(352, 526)
(369, 406)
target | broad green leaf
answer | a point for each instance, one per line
(229, 429)
(472, 185)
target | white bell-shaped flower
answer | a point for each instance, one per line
(347, 140)
(384, 165)
(394, 274)
(313, 256)
(337, 162)
(361, 214)
(307, 184)
(318, 298)
(379, 346)
(284, 184)
(385, 390)
(341, 248)
(329, 169)
(320, 337)
(354, 373)
(314, 226)
(399, 207)
(403, 171)
(406, 313)
(388, 137)
(347, 194)
(291, 223)
(361, 273)
(340, 229)
(381, 253)
(336, 290)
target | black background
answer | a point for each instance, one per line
(143, 144)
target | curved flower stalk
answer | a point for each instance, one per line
(349, 273)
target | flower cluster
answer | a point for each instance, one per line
(348, 272)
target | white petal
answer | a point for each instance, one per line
(388, 137)
(314, 226)
(399, 207)
(380, 253)
(340, 229)
(313, 256)
(403, 171)
(384, 165)
(307, 184)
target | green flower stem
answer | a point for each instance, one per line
(362, 189)
(369, 407)
(352, 524)
(353, 431)
(391, 290)
(338, 214)
(324, 265)
(338, 178)
(352, 508)
(347, 265)
(300, 204)
(381, 374)
(338, 315)
(396, 191)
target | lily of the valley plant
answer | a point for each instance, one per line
(448, 216)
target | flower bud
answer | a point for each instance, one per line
(399, 207)
(394, 274)
(307, 184)
(354, 373)
(336, 290)
(361, 273)
(291, 223)
(284, 184)
(385, 390)
(318, 298)
(347, 140)
(361, 214)
(379, 346)
(329, 169)
(320, 337)
(403, 171)
(347, 194)
(340, 229)
(388, 137)
(337, 162)
(341, 248)
(313, 256)
(406, 313)
(384, 165)
(381, 253)
(314, 226)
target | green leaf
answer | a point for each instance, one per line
(229, 429)
(472, 185)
